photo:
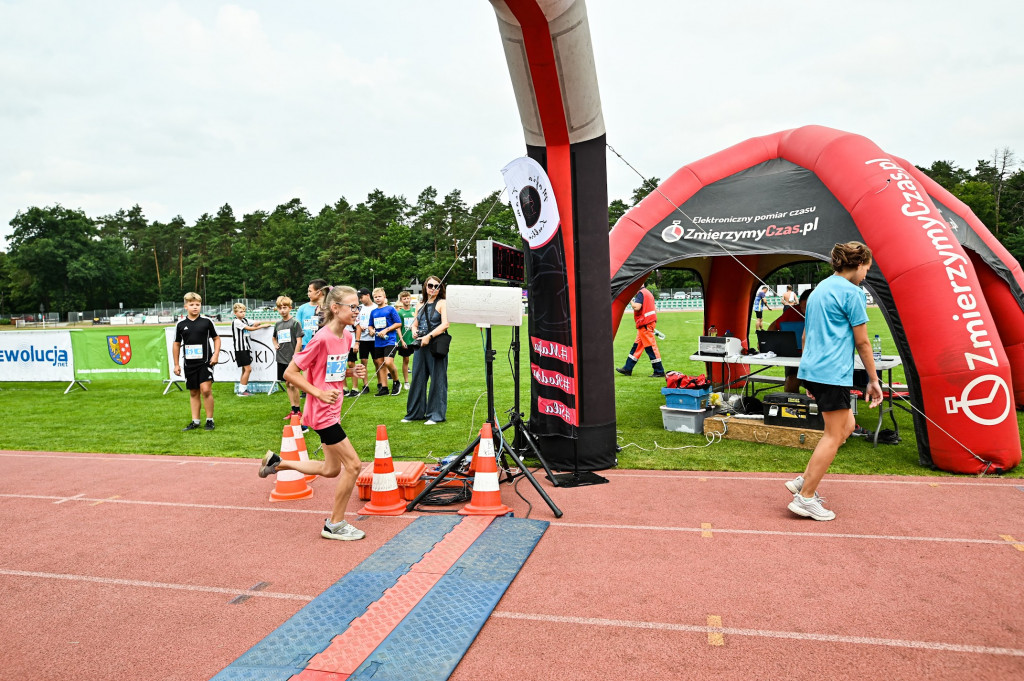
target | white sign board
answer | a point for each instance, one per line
(36, 356)
(489, 305)
(264, 361)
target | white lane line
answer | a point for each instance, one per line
(763, 633)
(176, 504)
(774, 533)
(155, 585)
(138, 458)
(77, 496)
(554, 523)
(704, 477)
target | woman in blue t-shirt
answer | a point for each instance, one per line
(835, 326)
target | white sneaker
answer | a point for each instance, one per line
(795, 485)
(405, 385)
(345, 532)
(406, 420)
(430, 422)
(810, 508)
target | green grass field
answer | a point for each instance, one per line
(135, 417)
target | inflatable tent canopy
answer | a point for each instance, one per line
(952, 296)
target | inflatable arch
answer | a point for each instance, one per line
(952, 295)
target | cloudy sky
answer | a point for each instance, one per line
(183, 106)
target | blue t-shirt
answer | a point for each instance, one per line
(381, 318)
(833, 309)
(759, 301)
(306, 314)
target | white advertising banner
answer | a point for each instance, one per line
(264, 362)
(36, 356)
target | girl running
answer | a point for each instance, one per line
(325, 361)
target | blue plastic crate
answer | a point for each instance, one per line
(684, 398)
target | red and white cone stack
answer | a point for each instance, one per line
(486, 495)
(385, 497)
(290, 485)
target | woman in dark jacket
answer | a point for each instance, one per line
(431, 322)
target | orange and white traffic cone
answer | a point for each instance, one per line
(290, 485)
(300, 441)
(385, 497)
(486, 495)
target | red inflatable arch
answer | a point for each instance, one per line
(951, 294)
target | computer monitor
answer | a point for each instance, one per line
(782, 343)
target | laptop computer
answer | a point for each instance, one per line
(782, 343)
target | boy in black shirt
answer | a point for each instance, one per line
(194, 333)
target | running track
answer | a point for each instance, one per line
(149, 567)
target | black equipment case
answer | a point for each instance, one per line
(793, 410)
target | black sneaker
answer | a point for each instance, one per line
(191, 426)
(351, 393)
(623, 371)
(209, 425)
(269, 464)
(364, 391)
(396, 387)
(382, 391)
(657, 375)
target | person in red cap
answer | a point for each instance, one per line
(646, 316)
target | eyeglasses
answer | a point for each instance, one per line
(433, 286)
(354, 308)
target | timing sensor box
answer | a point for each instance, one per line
(794, 410)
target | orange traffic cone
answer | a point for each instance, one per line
(300, 441)
(290, 484)
(385, 497)
(486, 495)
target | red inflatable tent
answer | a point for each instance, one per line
(951, 294)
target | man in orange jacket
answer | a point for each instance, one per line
(646, 316)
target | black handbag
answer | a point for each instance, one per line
(439, 346)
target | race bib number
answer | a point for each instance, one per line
(407, 322)
(310, 324)
(336, 367)
(284, 336)
(379, 323)
(193, 352)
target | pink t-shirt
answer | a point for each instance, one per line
(325, 361)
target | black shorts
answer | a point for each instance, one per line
(791, 371)
(332, 435)
(382, 351)
(829, 397)
(406, 351)
(196, 375)
(365, 349)
(243, 358)
(281, 368)
(759, 313)
(352, 355)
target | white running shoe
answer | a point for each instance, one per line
(430, 422)
(344, 532)
(795, 485)
(810, 508)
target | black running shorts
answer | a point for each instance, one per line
(829, 397)
(332, 435)
(196, 375)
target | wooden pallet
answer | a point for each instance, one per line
(754, 430)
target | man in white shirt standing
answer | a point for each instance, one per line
(364, 334)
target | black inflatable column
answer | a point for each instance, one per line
(551, 63)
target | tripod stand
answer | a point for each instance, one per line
(521, 434)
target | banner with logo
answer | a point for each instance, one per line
(553, 404)
(36, 356)
(131, 353)
(264, 362)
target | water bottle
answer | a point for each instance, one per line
(659, 335)
(876, 345)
